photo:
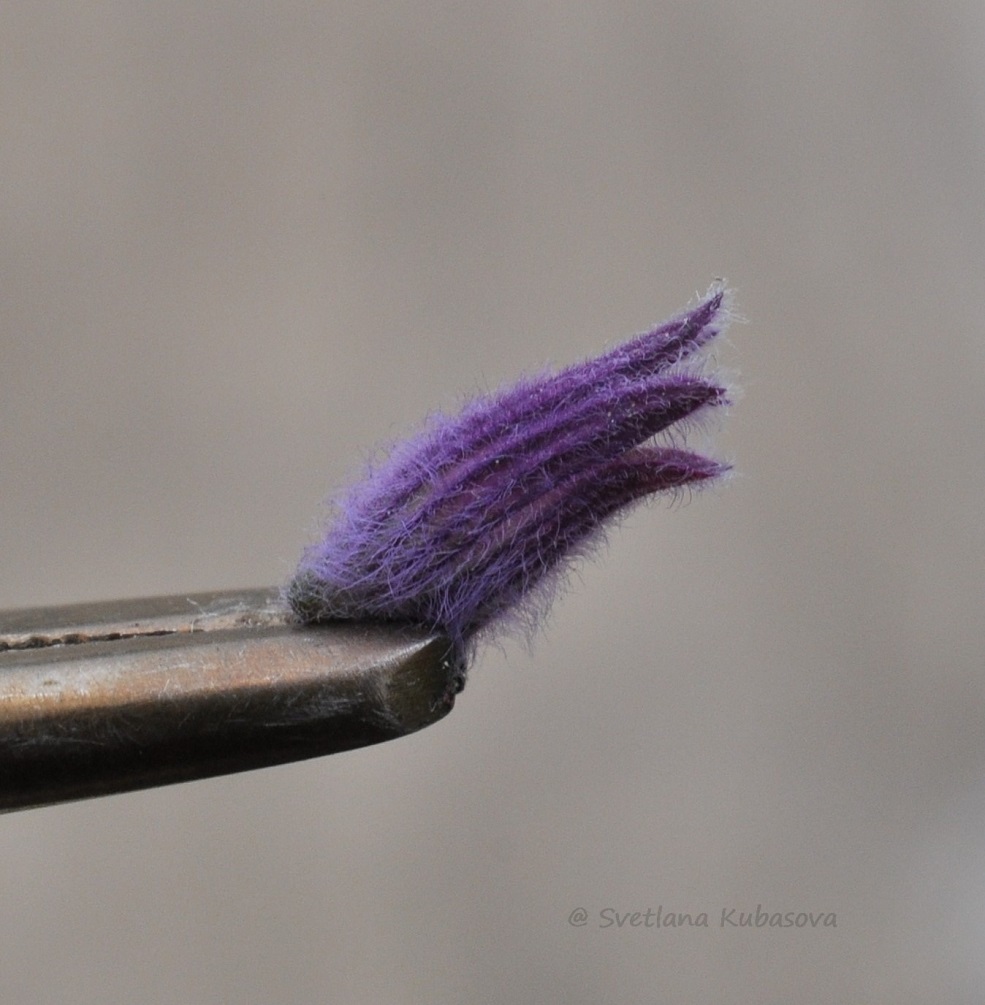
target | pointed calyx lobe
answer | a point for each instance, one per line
(469, 523)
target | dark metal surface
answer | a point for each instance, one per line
(104, 698)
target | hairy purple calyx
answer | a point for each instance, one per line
(469, 524)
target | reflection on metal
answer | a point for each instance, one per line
(103, 698)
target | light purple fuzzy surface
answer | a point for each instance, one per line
(469, 525)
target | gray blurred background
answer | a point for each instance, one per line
(244, 242)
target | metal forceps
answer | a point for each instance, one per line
(122, 695)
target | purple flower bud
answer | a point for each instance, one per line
(469, 524)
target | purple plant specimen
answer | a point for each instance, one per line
(470, 524)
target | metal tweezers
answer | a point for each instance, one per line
(110, 697)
